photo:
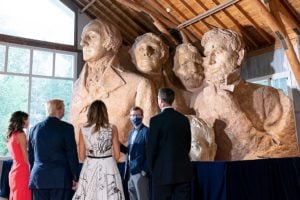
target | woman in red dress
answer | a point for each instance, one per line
(17, 146)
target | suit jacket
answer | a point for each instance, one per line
(168, 148)
(137, 152)
(52, 155)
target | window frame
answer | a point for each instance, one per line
(286, 74)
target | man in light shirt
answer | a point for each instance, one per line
(136, 167)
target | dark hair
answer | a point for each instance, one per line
(135, 108)
(167, 95)
(16, 123)
(97, 114)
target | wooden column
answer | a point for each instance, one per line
(279, 28)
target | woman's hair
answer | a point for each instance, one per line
(16, 123)
(97, 114)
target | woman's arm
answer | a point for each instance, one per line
(81, 151)
(23, 143)
(115, 142)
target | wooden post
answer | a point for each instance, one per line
(276, 27)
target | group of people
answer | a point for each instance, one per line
(51, 168)
(157, 145)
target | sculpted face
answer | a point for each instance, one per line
(92, 43)
(148, 56)
(219, 61)
(189, 68)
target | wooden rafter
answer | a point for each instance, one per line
(236, 23)
(182, 15)
(117, 18)
(159, 24)
(278, 28)
(262, 33)
(203, 6)
(124, 16)
(172, 19)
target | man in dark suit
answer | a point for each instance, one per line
(168, 151)
(136, 165)
(53, 156)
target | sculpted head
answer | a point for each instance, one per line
(188, 66)
(224, 52)
(149, 53)
(98, 39)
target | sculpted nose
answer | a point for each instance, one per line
(192, 67)
(211, 59)
(83, 42)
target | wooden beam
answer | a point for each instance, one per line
(206, 14)
(281, 13)
(116, 17)
(156, 20)
(236, 23)
(182, 15)
(258, 29)
(170, 17)
(277, 27)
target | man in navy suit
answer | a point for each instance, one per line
(168, 151)
(53, 156)
(136, 167)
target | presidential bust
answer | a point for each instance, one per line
(250, 121)
(103, 78)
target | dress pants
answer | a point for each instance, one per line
(52, 194)
(178, 191)
(138, 187)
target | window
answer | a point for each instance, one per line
(45, 20)
(280, 81)
(30, 76)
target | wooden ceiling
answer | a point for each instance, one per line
(256, 20)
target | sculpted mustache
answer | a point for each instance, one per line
(192, 77)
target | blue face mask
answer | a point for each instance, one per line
(136, 120)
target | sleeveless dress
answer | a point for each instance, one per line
(99, 178)
(19, 173)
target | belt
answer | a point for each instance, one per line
(100, 157)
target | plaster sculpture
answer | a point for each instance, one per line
(250, 121)
(203, 146)
(103, 78)
(149, 53)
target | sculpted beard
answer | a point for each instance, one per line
(192, 80)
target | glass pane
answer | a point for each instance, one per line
(64, 65)
(55, 21)
(42, 63)
(261, 82)
(18, 60)
(13, 97)
(280, 83)
(44, 89)
(2, 57)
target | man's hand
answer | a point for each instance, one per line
(74, 185)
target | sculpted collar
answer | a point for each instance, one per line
(110, 79)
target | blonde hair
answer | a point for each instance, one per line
(54, 105)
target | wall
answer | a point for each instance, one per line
(271, 63)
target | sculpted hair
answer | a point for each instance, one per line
(167, 95)
(54, 105)
(97, 114)
(164, 49)
(231, 38)
(16, 123)
(135, 108)
(111, 35)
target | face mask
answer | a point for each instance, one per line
(136, 120)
